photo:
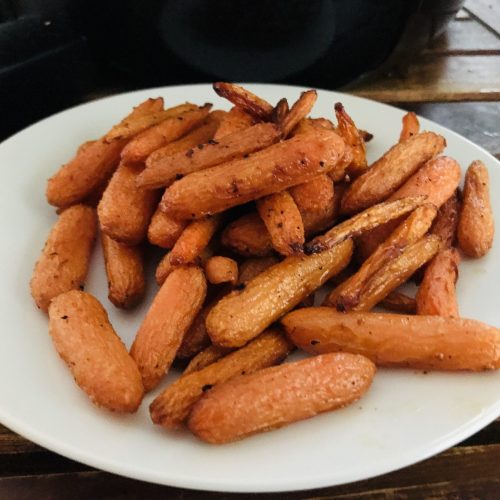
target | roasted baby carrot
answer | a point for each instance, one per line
(125, 272)
(65, 257)
(353, 138)
(421, 342)
(437, 180)
(347, 295)
(274, 169)
(219, 269)
(165, 132)
(476, 227)
(93, 165)
(248, 236)
(283, 222)
(300, 109)
(164, 171)
(235, 120)
(388, 173)
(364, 221)
(98, 360)
(245, 100)
(411, 126)
(125, 210)
(437, 294)
(277, 396)
(243, 314)
(172, 406)
(160, 335)
(193, 240)
(446, 223)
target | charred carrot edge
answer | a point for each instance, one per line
(244, 99)
(271, 170)
(352, 136)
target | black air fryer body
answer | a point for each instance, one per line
(55, 53)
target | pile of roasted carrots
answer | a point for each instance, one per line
(258, 208)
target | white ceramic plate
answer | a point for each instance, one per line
(405, 417)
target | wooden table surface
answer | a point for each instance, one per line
(455, 82)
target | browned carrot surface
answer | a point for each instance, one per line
(230, 147)
(278, 396)
(199, 135)
(446, 222)
(125, 272)
(98, 360)
(299, 111)
(422, 342)
(347, 295)
(396, 272)
(364, 221)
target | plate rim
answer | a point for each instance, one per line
(254, 485)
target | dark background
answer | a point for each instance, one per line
(57, 53)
